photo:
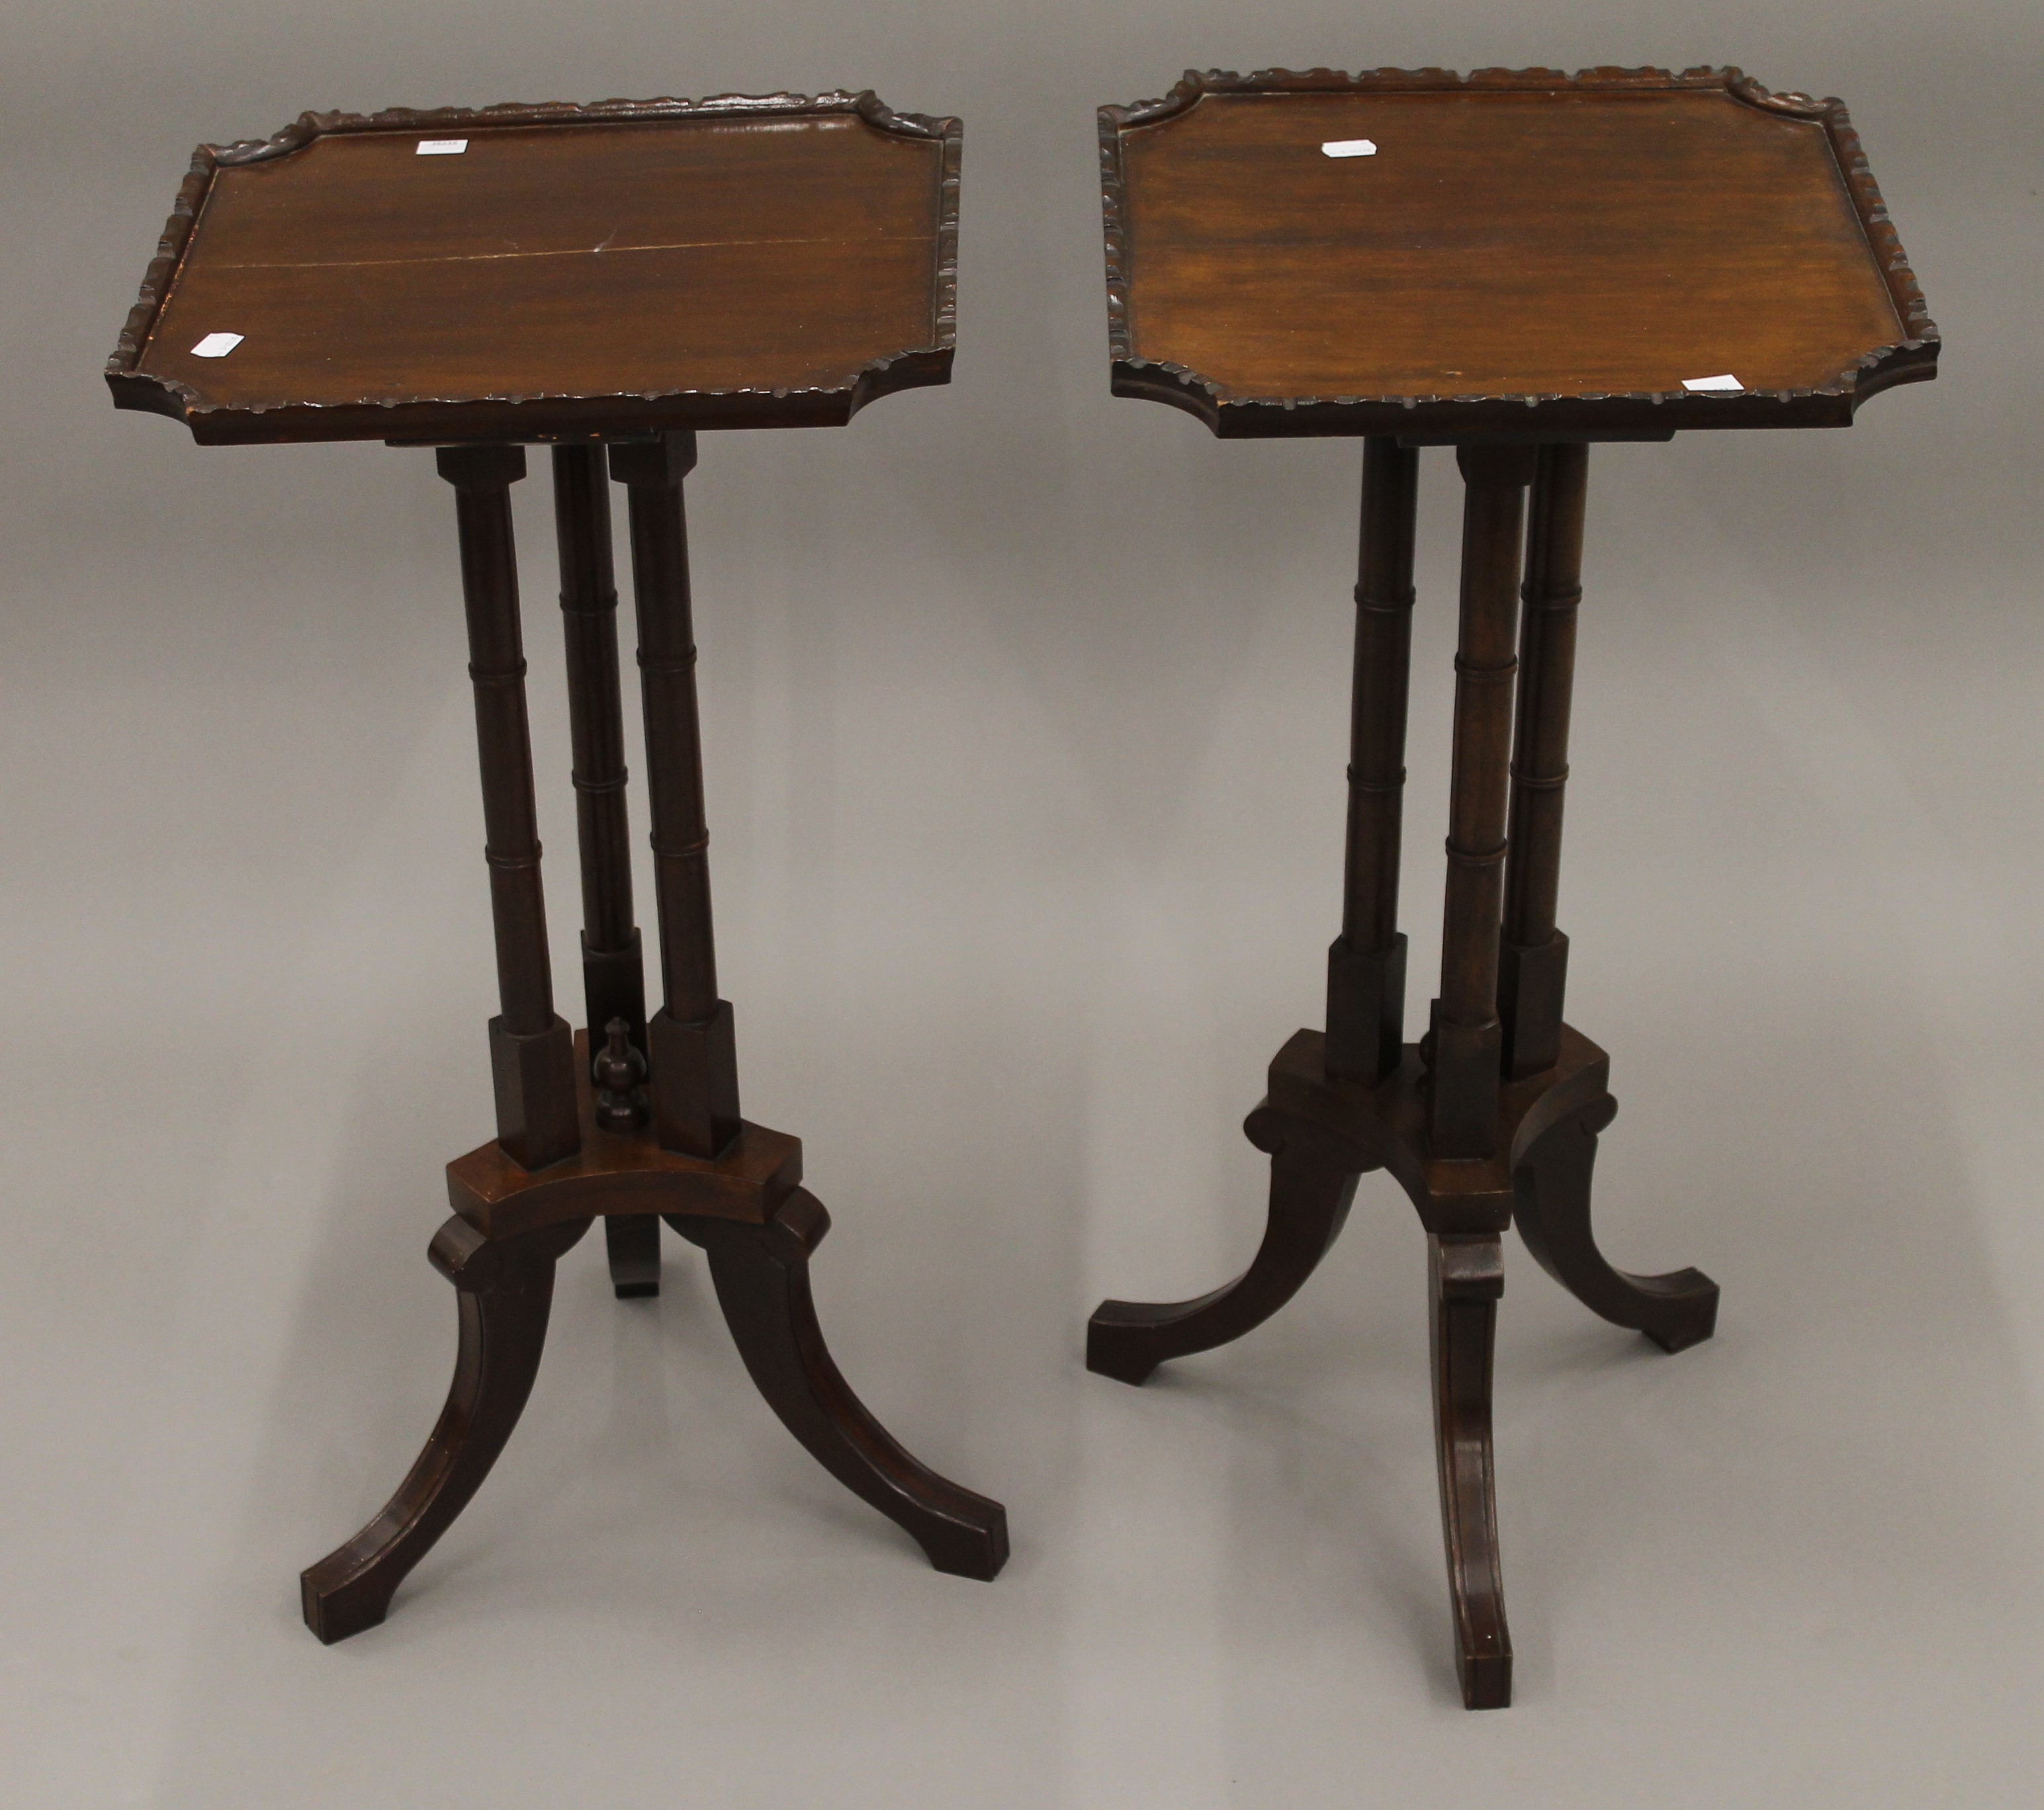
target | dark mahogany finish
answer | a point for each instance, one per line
(1505, 234)
(382, 294)
(1533, 955)
(505, 1289)
(531, 1046)
(692, 1047)
(1367, 965)
(1527, 252)
(613, 974)
(776, 263)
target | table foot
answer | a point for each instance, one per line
(1466, 1275)
(1552, 1210)
(761, 1277)
(505, 1288)
(632, 1242)
(1312, 1181)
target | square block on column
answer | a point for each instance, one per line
(1366, 1009)
(534, 1074)
(1530, 985)
(694, 1083)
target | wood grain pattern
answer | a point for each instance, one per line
(623, 266)
(1528, 252)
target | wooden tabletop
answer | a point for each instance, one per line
(1518, 252)
(541, 272)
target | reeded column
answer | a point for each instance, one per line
(1466, 1038)
(1366, 964)
(614, 973)
(694, 1080)
(531, 1050)
(1533, 963)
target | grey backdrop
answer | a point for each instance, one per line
(1025, 724)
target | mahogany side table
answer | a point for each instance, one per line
(605, 279)
(1514, 263)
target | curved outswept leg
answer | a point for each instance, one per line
(632, 1241)
(762, 1275)
(1467, 1276)
(1552, 1210)
(505, 1288)
(1312, 1181)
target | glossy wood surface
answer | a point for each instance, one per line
(1312, 1186)
(1533, 954)
(1367, 963)
(1478, 1143)
(560, 275)
(1589, 243)
(762, 1277)
(692, 1038)
(505, 1288)
(531, 1045)
(1465, 1277)
(623, 1172)
(1466, 1038)
(577, 1139)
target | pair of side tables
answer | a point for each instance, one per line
(1514, 263)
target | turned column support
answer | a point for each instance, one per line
(613, 975)
(691, 1048)
(1533, 956)
(531, 1050)
(1465, 1042)
(1367, 964)
(613, 972)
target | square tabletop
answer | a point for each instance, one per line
(536, 272)
(1615, 254)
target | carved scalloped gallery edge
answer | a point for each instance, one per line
(920, 365)
(1910, 359)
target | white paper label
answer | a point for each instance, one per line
(442, 147)
(1348, 147)
(1728, 381)
(216, 345)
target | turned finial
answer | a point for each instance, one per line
(619, 1071)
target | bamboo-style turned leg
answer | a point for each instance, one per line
(612, 968)
(614, 979)
(1367, 965)
(1466, 1041)
(1533, 956)
(691, 1046)
(531, 1048)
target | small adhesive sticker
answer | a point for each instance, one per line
(1348, 147)
(216, 345)
(1728, 381)
(442, 147)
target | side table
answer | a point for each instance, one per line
(1516, 263)
(606, 279)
